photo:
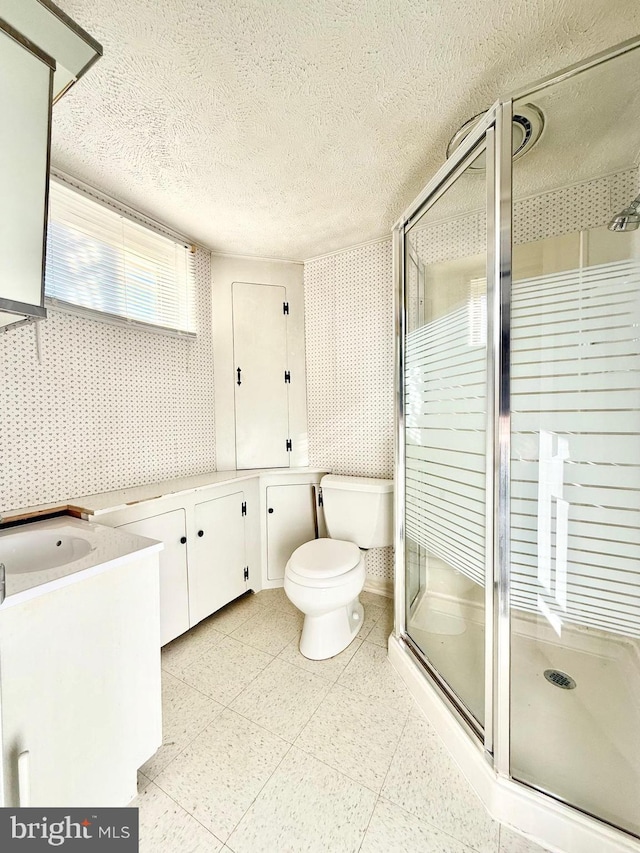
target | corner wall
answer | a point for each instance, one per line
(348, 300)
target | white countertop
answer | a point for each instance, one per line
(98, 504)
(108, 547)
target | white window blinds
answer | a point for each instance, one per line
(100, 260)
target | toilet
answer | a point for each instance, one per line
(324, 577)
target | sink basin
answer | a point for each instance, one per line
(38, 550)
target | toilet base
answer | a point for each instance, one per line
(328, 634)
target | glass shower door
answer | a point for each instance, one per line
(445, 419)
(575, 454)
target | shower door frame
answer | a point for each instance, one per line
(496, 127)
(489, 131)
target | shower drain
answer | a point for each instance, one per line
(560, 679)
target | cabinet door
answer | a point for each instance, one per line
(291, 521)
(25, 108)
(80, 689)
(169, 528)
(261, 393)
(217, 556)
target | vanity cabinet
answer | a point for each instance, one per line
(170, 528)
(291, 521)
(80, 689)
(220, 539)
(218, 571)
(211, 538)
(203, 565)
(291, 514)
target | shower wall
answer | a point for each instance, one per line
(570, 247)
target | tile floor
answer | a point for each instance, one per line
(265, 750)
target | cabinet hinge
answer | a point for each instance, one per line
(244, 507)
(246, 573)
(320, 501)
(289, 446)
(287, 376)
(285, 307)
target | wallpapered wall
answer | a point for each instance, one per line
(349, 343)
(98, 406)
(349, 327)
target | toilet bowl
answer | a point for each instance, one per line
(323, 579)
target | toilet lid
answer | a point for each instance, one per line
(324, 558)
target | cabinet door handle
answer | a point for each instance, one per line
(270, 509)
(183, 540)
(24, 788)
(239, 371)
(201, 533)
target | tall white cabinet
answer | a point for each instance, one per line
(263, 377)
(258, 329)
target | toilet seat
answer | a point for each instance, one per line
(324, 578)
(323, 560)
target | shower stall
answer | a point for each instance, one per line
(518, 460)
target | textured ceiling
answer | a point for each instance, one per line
(289, 128)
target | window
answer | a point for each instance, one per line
(100, 260)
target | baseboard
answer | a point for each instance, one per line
(380, 586)
(537, 817)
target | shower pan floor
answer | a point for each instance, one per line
(579, 745)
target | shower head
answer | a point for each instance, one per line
(628, 219)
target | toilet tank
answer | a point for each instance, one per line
(359, 509)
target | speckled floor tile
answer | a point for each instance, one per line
(185, 713)
(165, 827)
(328, 669)
(236, 613)
(372, 598)
(305, 806)
(143, 782)
(393, 829)
(353, 734)
(269, 630)
(185, 650)
(511, 842)
(379, 634)
(282, 698)
(276, 599)
(224, 671)
(370, 673)
(220, 773)
(371, 616)
(424, 780)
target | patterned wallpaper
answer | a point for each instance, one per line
(348, 301)
(99, 406)
(349, 326)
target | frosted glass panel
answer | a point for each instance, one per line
(445, 432)
(575, 454)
